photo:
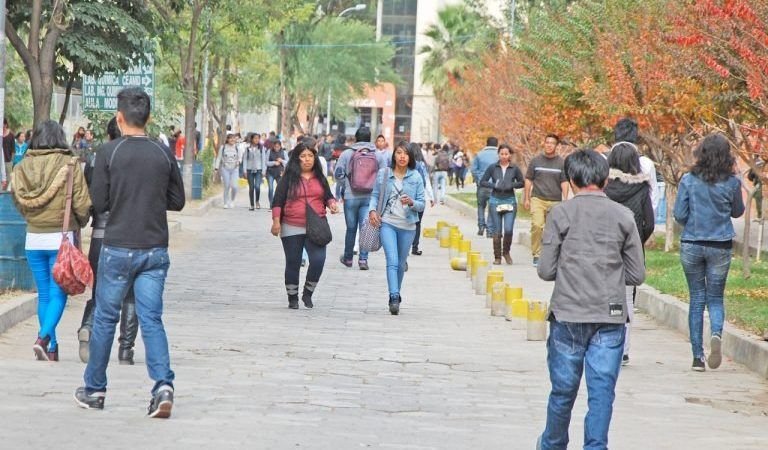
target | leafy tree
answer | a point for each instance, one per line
(459, 38)
(87, 31)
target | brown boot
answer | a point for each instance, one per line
(496, 249)
(507, 246)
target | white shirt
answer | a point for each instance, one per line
(164, 139)
(649, 168)
(46, 241)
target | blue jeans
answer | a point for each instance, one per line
(483, 197)
(50, 298)
(502, 224)
(396, 243)
(355, 212)
(439, 182)
(119, 269)
(569, 347)
(706, 270)
(271, 182)
(254, 185)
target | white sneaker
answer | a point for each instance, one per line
(226, 206)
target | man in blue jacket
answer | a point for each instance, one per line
(485, 158)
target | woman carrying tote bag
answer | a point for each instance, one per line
(403, 201)
(298, 217)
(40, 192)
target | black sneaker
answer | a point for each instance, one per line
(698, 365)
(480, 231)
(535, 261)
(625, 360)
(161, 404)
(346, 262)
(94, 400)
(394, 304)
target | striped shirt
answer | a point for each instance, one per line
(546, 174)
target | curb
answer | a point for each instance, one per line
(738, 345)
(16, 310)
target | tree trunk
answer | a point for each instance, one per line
(746, 270)
(669, 235)
(67, 96)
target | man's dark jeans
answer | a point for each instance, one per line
(483, 196)
(571, 347)
(119, 269)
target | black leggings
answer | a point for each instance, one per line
(293, 246)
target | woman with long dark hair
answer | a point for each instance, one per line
(397, 217)
(40, 194)
(254, 164)
(628, 185)
(302, 185)
(503, 178)
(707, 198)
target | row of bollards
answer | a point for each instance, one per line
(501, 298)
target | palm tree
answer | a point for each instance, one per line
(459, 38)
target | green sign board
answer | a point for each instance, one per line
(101, 93)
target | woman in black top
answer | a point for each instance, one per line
(629, 186)
(503, 177)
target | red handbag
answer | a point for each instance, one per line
(72, 271)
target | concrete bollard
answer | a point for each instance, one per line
(510, 295)
(471, 261)
(518, 314)
(497, 298)
(440, 225)
(444, 234)
(537, 324)
(453, 249)
(465, 246)
(494, 276)
(481, 272)
(475, 264)
(459, 264)
(429, 232)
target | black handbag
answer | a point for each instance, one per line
(318, 229)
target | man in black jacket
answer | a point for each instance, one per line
(129, 174)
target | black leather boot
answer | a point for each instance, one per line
(306, 296)
(293, 295)
(496, 249)
(507, 245)
(129, 328)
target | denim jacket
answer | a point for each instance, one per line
(705, 209)
(413, 187)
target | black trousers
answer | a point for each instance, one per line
(293, 246)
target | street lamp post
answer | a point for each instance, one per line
(358, 7)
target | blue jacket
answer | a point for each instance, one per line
(413, 187)
(705, 209)
(482, 161)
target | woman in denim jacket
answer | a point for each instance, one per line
(403, 201)
(707, 198)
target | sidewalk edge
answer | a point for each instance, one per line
(17, 310)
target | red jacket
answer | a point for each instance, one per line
(291, 209)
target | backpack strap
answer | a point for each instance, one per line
(68, 204)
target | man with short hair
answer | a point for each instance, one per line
(485, 158)
(545, 187)
(591, 250)
(382, 146)
(440, 174)
(356, 199)
(136, 180)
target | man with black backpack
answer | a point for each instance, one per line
(440, 174)
(357, 168)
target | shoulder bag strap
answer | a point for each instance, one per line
(68, 204)
(382, 189)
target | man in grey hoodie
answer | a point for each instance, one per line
(356, 202)
(591, 250)
(485, 158)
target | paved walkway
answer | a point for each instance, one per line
(444, 375)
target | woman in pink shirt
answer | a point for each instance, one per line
(302, 184)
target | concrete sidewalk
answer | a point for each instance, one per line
(444, 375)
